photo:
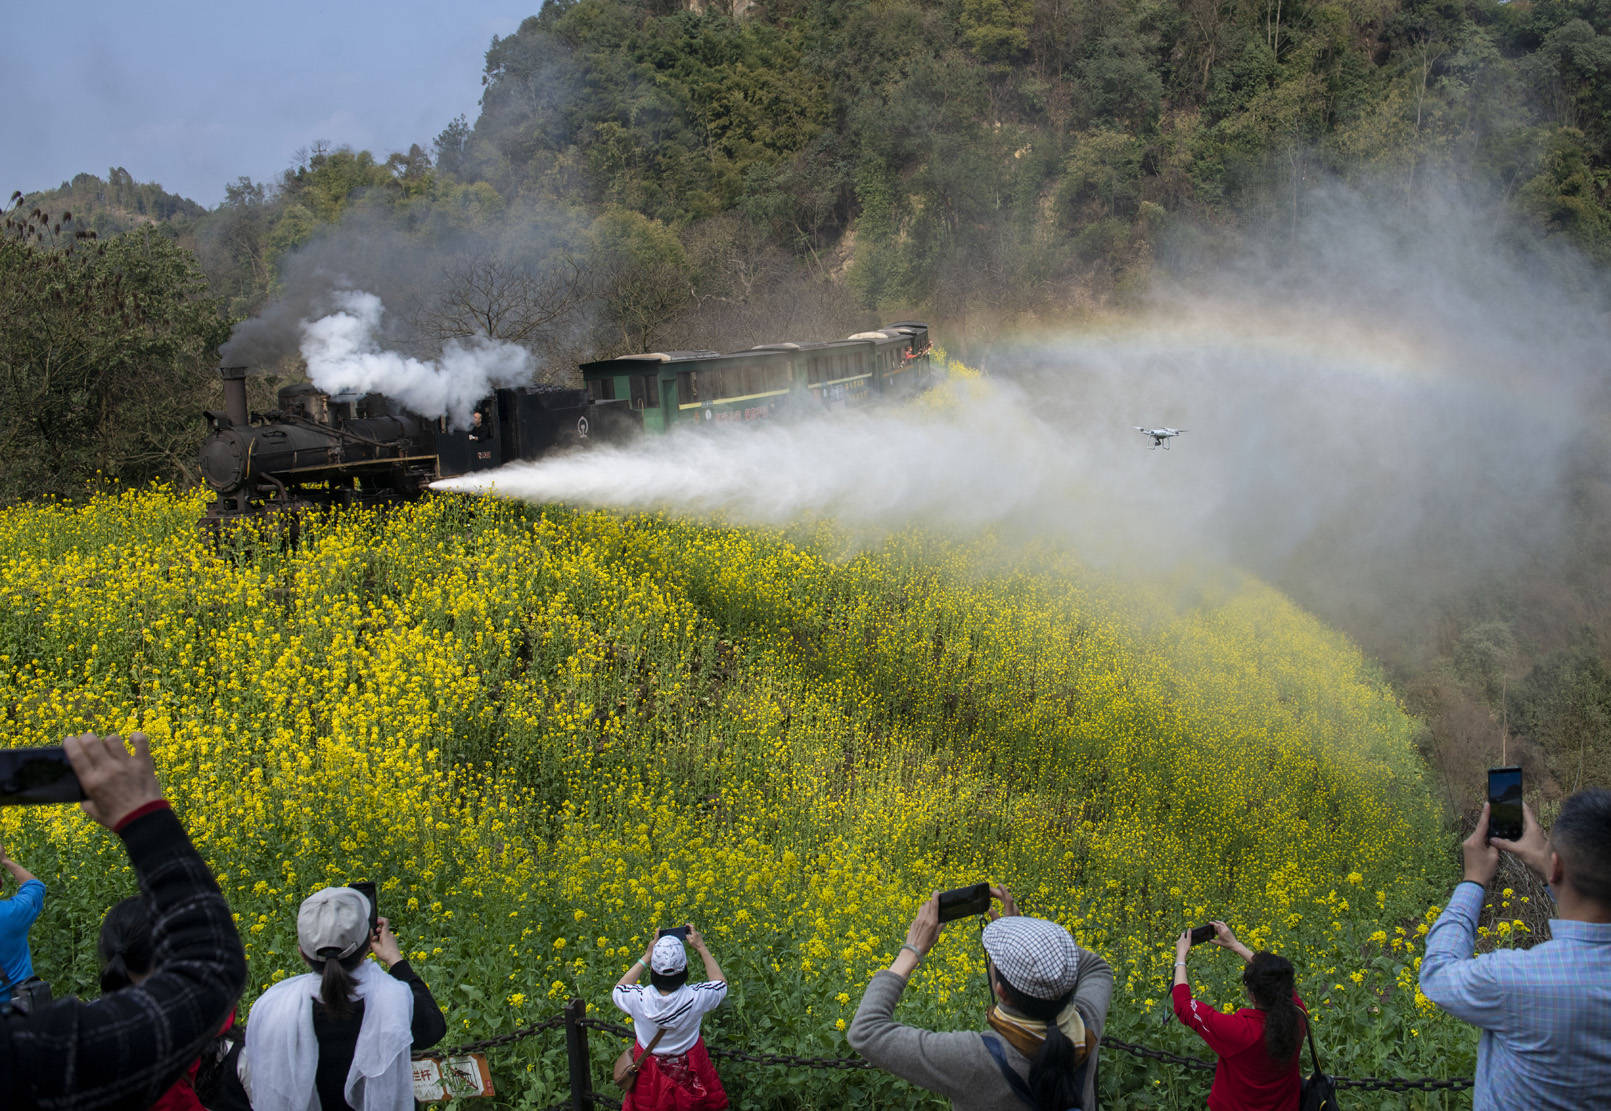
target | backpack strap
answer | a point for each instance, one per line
(1309, 1029)
(1017, 1083)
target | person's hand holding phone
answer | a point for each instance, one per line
(1009, 907)
(115, 783)
(384, 943)
(1481, 857)
(1532, 847)
(694, 938)
(1226, 939)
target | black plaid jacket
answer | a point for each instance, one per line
(125, 1049)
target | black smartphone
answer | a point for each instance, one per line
(678, 932)
(1505, 803)
(1200, 934)
(964, 902)
(367, 890)
(29, 776)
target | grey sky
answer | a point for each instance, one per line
(193, 95)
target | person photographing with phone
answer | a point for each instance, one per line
(17, 916)
(1257, 1048)
(1049, 1000)
(1544, 1012)
(673, 1070)
(122, 1051)
(341, 1035)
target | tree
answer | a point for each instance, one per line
(107, 356)
(996, 31)
(642, 273)
(1565, 704)
(452, 147)
(484, 293)
(233, 246)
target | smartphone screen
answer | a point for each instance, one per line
(964, 902)
(367, 889)
(30, 776)
(1200, 934)
(678, 932)
(1505, 803)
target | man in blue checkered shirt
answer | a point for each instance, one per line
(1545, 1012)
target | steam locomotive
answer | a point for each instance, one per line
(318, 449)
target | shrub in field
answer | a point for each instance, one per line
(545, 732)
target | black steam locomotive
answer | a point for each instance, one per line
(320, 449)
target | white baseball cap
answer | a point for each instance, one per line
(669, 957)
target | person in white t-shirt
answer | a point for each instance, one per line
(678, 1075)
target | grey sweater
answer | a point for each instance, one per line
(957, 1065)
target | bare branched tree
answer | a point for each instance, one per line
(484, 294)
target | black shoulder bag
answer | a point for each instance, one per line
(28, 996)
(1319, 1092)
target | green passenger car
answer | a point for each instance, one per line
(771, 380)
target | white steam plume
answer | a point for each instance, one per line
(344, 356)
(982, 457)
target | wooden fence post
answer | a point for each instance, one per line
(576, 1054)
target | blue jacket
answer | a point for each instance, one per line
(17, 916)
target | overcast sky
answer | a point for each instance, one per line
(194, 95)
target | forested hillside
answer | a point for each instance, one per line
(985, 158)
(1008, 150)
(119, 203)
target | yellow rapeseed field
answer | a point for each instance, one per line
(544, 732)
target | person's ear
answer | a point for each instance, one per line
(1557, 870)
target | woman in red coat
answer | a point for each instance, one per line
(1257, 1046)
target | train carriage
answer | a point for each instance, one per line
(776, 379)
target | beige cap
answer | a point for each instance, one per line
(333, 922)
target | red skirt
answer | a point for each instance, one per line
(684, 1082)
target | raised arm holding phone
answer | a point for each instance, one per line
(1544, 1012)
(1049, 1001)
(123, 1050)
(18, 914)
(1256, 1048)
(669, 1068)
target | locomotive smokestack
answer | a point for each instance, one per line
(234, 394)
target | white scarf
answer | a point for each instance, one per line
(283, 1055)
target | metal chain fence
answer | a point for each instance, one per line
(574, 1021)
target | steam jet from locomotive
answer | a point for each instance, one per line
(1160, 436)
(317, 448)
